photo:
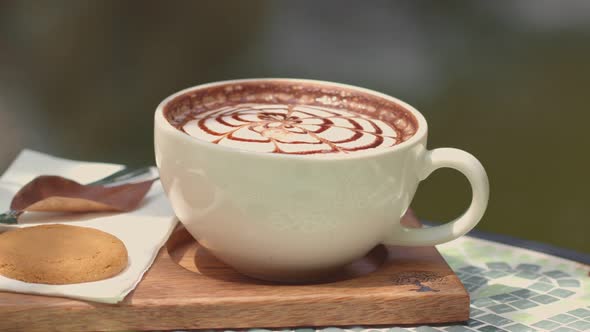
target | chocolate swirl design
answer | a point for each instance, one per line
(291, 129)
(290, 117)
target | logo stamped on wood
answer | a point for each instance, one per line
(418, 278)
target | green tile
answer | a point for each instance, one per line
(519, 328)
(471, 287)
(426, 329)
(457, 328)
(332, 329)
(528, 267)
(555, 274)
(489, 328)
(474, 312)
(472, 269)
(397, 329)
(564, 329)
(525, 293)
(494, 274)
(568, 283)
(545, 279)
(560, 292)
(546, 324)
(580, 312)
(504, 298)
(476, 280)
(563, 318)
(580, 325)
(484, 302)
(495, 320)
(499, 266)
(544, 299)
(473, 323)
(501, 308)
(541, 286)
(527, 275)
(523, 304)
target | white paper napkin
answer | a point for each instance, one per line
(143, 230)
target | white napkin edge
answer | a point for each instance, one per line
(15, 171)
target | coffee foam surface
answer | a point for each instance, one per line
(288, 118)
(294, 129)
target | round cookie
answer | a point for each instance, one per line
(60, 254)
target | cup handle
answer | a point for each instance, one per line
(476, 175)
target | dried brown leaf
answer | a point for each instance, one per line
(57, 194)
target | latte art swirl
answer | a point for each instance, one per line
(293, 129)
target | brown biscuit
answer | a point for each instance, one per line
(60, 254)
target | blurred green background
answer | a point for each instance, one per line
(508, 81)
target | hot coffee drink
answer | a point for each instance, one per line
(320, 172)
(289, 119)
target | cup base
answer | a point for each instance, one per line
(186, 252)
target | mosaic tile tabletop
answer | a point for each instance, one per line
(512, 289)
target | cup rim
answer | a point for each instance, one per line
(161, 122)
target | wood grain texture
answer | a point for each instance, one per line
(405, 286)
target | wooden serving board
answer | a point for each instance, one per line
(187, 288)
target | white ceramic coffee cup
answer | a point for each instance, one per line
(295, 217)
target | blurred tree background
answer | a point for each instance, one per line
(507, 81)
